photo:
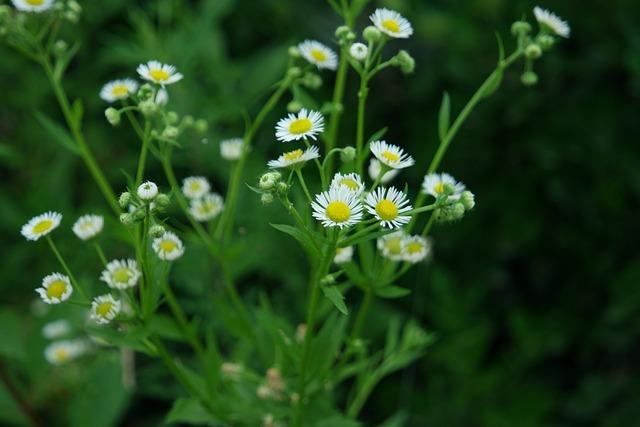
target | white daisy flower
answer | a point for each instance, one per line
(350, 181)
(231, 149)
(157, 72)
(55, 288)
(295, 157)
(118, 89)
(168, 247)
(343, 255)
(88, 226)
(60, 352)
(391, 155)
(415, 249)
(56, 329)
(121, 274)
(375, 168)
(207, 207)
(32, 5)
(318, 54)
(434, 184)
(359, 51)
(147, 190)
(551, 22)
(337, 207)
(162, 97)
(388, 205)
(391, 245)
(391, 23)
(305, 124)
(195, 187)
(41, 225)
(105, 308)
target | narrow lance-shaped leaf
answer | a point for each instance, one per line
(444, 116)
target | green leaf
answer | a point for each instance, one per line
(57, 132)
(493, 84)
(78, 112)
(304, 238)
(129, 339)
(357, 6)
(377, 135)
(444, 116)
(165, 327)
(190, 411)
(338, 421)
(500, 48)
(334, 295)
(392, 292)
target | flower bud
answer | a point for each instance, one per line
(450, 213)
(294, 72)
(371, 34)
(60, 48)
(468, 200)
(359, 51)
(405, 61)
(201, 125)
(546, 41)
(188, 121)
(172, 117)
(348, 154)
(170, 132)
(113, 116)
(282, 188)
(294, 107)
(529, 78)
(294, 52)
(520, 28)
(162, 201)
(148, 107)
(147, 190)
(74, 6)
(124, 200)
(328, 280)
(533, 51)
(342, 31)
(266, 198)
(71, 16)
(126, 219)
(269, 180)
(145, 92)
(138, 214)
(312, 80)
(156, 231)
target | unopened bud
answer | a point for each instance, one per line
(138, 214)
(188, 121)
(112, 115)
(468, 200)
(148, 107)
(156, 231)
(520, 28)
(359, 51)
(162, 201)
(294, 72)
(71, 16)
(282, 187)
(126, 219)
(201, 125)
(145, 92)
(529, 78)
(546, 41)
(405, 61)
(60, 48)
(348, 154)
(269, 180)
(172, 117)
(74, 6)
(125, 199)
(312, 80)
(170, 132)
(294, 52)
(294, 107)
(533, 51)
(371, 34)
(342, 31)
(266, 198)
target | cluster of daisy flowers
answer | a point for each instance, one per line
(399, 246)
(204, 205)
(153, 71)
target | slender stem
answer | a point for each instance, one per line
(22, 401)
(103, 259)
(146, 138)
(362, 100)
(362, 314)
(429, 224)
(336, 113)
(66, 268)
(303, 184)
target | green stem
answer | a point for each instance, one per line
(103, 259)
(336, 113)
(362, 100)
(146, 138)
(303, 184)
(67, 270)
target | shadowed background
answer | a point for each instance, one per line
(534, 296)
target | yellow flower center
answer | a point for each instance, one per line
(104, 308)
(120, 90)
(168, 245)
(60, 354)
(159, 75)
(56, 289)
(122, 275)
(299, 126)
(386, 209)
(292, 155)
(339, 251)
(195, 186)
(318, 55)
(338, 211)
(351, 184)
(42, 226)
(414, 247)
(391, 25)
(392, 157)
(439, 187)
(394, 246)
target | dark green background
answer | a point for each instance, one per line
(534, 297)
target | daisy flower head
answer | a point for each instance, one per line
(391, 245)
(318, 54)
(105, 308)
(118, 89)
(337, 207)
(55, 288)
(32, 5)
(350, 181)
(147, 190)
(343, 255)
(434, 184)
(551, 22)
(88, 226)
(391, 23)
(168, 247)
(157, 72)
(306, 124)
(60, 352)
(231, 149)
(56, 329)
(121, 274)
(207, 207)
(391, 155)
(41, 225)
(388, 205)
(415, 249)
(359, 51)
(195, 187)
(375, 169)
(294, 158)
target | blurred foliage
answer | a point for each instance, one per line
(534, 298)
